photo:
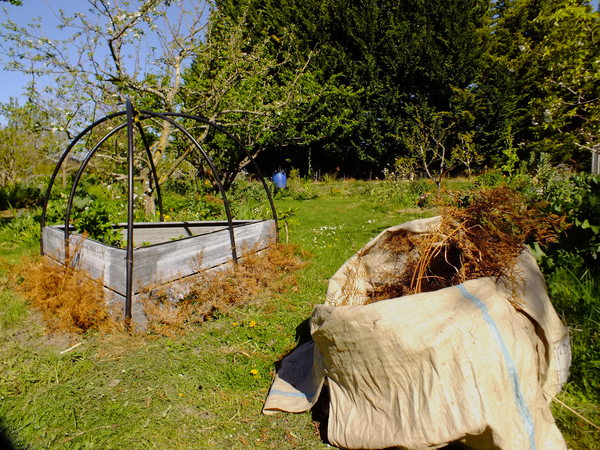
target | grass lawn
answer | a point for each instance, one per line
(204, 389)
(200, 390)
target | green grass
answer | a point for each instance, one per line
(13, 309)
(201, 390)
(579, 434)
(576, 299)
(193, 391)
(119, 393)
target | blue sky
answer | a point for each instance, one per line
(13, 83)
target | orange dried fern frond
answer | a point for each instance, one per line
(257, 273)
(483, 239)
(69, 300)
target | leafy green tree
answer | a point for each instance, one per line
(465, 152)
(539, 84)
(384, 54)
(426, 138)
(566, 115)
(25, 143)
(253, 89)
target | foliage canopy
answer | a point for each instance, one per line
(327, 85)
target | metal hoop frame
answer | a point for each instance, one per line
(133, 120)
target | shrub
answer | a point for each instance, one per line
(20, 196)
(490, 178)
(577, 197)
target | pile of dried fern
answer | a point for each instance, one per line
(482, 239)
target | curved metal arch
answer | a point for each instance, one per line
(59, 164)
(153, 171)
(137, 116)
(84, 164)
(82, 168)
(77, 178)
(241, 146)
(216, 174)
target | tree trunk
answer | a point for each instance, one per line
(149, 204)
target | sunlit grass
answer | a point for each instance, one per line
(203, 389)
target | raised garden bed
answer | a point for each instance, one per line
(163, 253)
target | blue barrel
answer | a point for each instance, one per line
(280, 180)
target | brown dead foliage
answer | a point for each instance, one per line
(263, 273)
(68, 300)
(482, 239)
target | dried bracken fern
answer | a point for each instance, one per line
(269, 271)
(482, 239)
(68, 300)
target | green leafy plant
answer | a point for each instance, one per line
(490, 178)
(571, 265)
(298, 189)
(21, 228)
(578, 198)
(96, 222)
(397, 189)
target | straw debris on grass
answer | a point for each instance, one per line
(484, 238)
(218, 291)
(68, 300)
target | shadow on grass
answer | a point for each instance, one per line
(5, 442)
(320, 410)
(303, 332)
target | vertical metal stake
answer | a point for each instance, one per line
(129, 257)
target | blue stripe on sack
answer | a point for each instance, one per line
(292, 394)
(512, 370)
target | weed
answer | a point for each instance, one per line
(395, 188)
(579, 434)
(22, 228)
(490, 178)
(298, 189)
